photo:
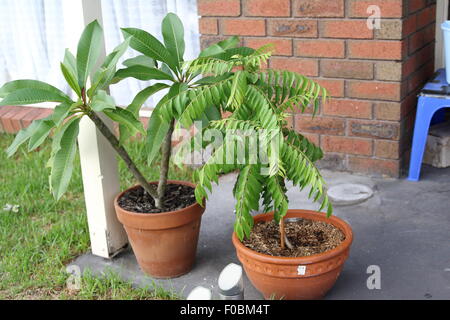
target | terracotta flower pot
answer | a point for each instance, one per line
(165, 243)
(295, 278)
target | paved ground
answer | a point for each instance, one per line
(404, 229)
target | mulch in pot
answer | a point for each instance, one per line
(307, 237)
(176, 197)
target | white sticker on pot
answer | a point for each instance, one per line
(301, 270)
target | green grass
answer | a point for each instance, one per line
(39, 240)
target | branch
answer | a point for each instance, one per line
(165, 151)
(106, 132)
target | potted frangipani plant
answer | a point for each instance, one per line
(165, 241)
(286, 253)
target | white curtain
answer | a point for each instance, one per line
(34, 34)
(146, 15)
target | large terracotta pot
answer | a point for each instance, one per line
(165, 243)
(295, 278)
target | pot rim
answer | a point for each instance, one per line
(161, 214)
(342, 247)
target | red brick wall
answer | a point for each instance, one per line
(373, 76)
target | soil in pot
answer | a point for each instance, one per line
(176, 197)
(306, 236)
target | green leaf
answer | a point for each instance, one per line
(31, 96)
(105, 74)
(212, 50)
(220, 47)
(62, 166)
(126, 118)
(60, 112)
(173, 34)
(148, 45)
(140, 61)
(102, 101)
(239, 230)
(70, 62)
(143, 96)
(136, 105)
(157, 126)
(88, 52)
(229, 43)
(71, 79)
(21, 137)
(41, 133)
(142, 73)
(13, 95)
(156, 131)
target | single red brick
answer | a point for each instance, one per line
(389, 50)
(348, 108)
(320, 48)
(244, 27)
(283, 47)
(378, 167)
(219, 7)
(387, 149)
(318, 8)
(418, 59)
(292, 28)
(307, 67)
(374, 129)
(426, 16)
(320, 125)
(348, 29)
(346, 69)
(335, 88)
(374, 90)
(346, 145)
(409, 26)
(408, 105)
(388, 8)
(415, 5)
(387, 111)
(419, 78)
(421, 38)
(267, 8)
(208, 26)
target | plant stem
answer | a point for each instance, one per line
(106, 132)
(166, 150)
(282, 234)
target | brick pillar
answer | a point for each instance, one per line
(373, 76)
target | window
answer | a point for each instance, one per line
(35, 33)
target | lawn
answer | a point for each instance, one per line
(39, 240)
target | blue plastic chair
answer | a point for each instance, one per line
(434, 97)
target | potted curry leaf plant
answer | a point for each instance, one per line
(286, 253)
(162, 218)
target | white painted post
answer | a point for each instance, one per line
(441, 16)
(100, 174)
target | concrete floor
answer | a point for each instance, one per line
(404, 229)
